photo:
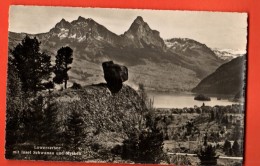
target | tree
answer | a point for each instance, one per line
(227, 147)
(150, 146)
(236, 148)
(48, 85)
(225, 120)
(212, 115)
(24, 117)
(147, 110)
(32, 117)
(130, 147)
(189, 127)
(143, 95)
(32, 66)
(237, 134)
(207, 155)
(13, 107)
(144, 147)
(75, 130)
(145, 144)
(61, 68)
(13, 82)
(51, 126)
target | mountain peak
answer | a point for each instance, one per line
(139, 20)
(139, 26)
(63, 24)
(80, 18)
(142, 35)
(62, 20)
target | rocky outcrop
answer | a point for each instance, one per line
(114, 75)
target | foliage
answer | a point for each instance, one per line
(145, 145)
(48, 85)
(31, 118)
(130, 147)
(227, 147)
(237, 134)
(13, 107)
(76, 86)
(207, 155)
(28, 119)
(61, 68)
(51, 125)
(32, 66)
(151, 146)
(142, 93)
(13, 82)
(202, 97)
(180, 160)
(25, 120)
(236, 148)
(75, 130)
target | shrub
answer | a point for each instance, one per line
(76, 86)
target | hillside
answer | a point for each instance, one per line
(90, 120)
(194, 55)
(101, 110)
(148, 57)
(228, 79)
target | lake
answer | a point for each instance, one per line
(184, 100)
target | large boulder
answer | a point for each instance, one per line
(114, 75)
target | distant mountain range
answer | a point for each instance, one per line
(228, 79)
(161, 65)
(228, 54)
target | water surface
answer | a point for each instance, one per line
(162, 100)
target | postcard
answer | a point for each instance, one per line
(126, 85)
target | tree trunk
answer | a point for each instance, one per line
(65, 85)
(66, 67)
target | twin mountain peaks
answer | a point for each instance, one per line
(175, 64)
(138, 35)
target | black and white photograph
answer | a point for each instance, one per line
(134, 86)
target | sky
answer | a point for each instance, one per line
(221, 30)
